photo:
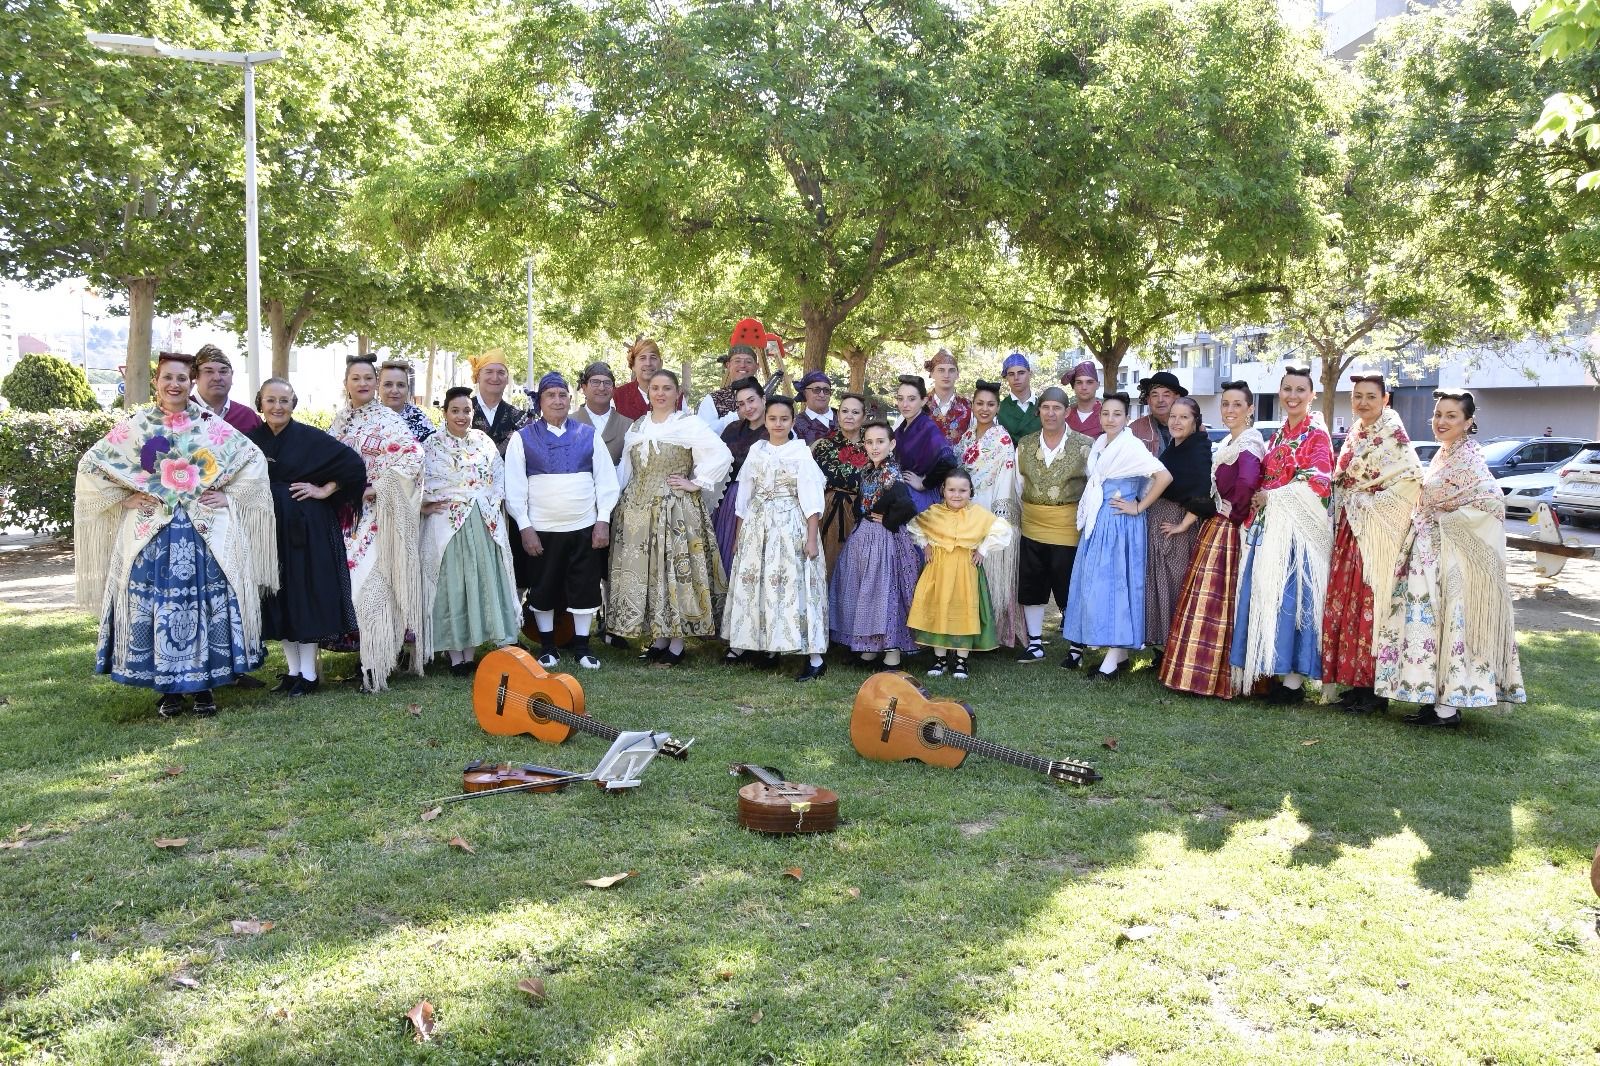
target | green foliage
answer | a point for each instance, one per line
(1568, 30)
(44, 382)
(39, 456)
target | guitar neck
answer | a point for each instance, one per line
(970, 743)
(580, 722)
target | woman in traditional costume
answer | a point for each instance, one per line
(990, 457)
(951, 610)
(313, 476)
(174, 541)
(1172, 518)
(1105, 603)
(1376, 482)
(842, 459)
(951, 412)
(739, 436)
(870, 592)
(778, 587)
(395, 390)
(1278, 629)
(1201, 638)
(666, 578)
(925, 456)
(469, 591)
(381, 538)
(1448, 637)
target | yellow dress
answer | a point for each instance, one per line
(951, 607)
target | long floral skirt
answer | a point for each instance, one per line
(185, 633)
(1347, 618)
(1167, 569)
(1201, 638)
(872, 587)
(666, 578)
(777, 598)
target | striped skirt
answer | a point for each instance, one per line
(1168, 568)
(1202, 630)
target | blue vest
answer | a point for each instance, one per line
(544, 452)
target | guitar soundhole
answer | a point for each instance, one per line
(932, 733)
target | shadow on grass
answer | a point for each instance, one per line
(306, 812)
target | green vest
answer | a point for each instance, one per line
(1060, 482)
(1017, 422)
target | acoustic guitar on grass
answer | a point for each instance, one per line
(894, 720)
(513, 695)
(769, 804)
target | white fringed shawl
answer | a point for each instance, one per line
(382, 544)
(460, 472)
(1377, 480)
(176, 458)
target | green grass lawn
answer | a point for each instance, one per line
(1318, 888)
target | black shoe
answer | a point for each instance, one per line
(733, 658)
(669, 658)
(1033, 653)
(939, 665)
(205, 704)
(587, 660)
(171, 705)
(613, 640)
(1101, 675)
(1156, 659)
(466, 668)
(287, 682)
(305, 687)
(812, 673)
(959, 672)
(1453, 722)
(1074, 660)
(247, 682)
(652, 654)
(1282, 695)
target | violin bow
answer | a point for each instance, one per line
(526, 786)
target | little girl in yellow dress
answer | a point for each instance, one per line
(950, 611)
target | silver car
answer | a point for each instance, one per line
(1577, 494)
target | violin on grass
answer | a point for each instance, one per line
(512, 695)
(894, 720)
(769, 804)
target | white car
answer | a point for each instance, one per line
(1577, 494)
(1525, 492)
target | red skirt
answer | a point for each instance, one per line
(1196, 659)
(1347, 656)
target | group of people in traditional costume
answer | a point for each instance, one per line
(784, 524)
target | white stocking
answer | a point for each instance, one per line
(1034, 616)
(291, 657)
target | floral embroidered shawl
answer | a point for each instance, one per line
(1376, 481)
(460, 472)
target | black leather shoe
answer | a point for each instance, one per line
(463, 669)
(1032, 653)
(171, 705)
(205, 704)
(733, 658)
(246, 681)
(1453, 722)
(652, 654)
(1282, 695)
(286, 682)
(670, 658)
(812, 673)
(1101, 675)
(304, 687)
(1074, 660)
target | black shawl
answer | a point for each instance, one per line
(1189, 463)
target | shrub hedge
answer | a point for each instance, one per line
(39, 456)
(48, 383)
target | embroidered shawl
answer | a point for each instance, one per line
(992, 462)
(176, 458)
(417, 422)
(957, 418)
(382, 538)
(1376, 481)
(460, 472)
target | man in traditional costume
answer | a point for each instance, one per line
(1157, 392)
(1019, 412)
(818, 418)
(175, 544)
(213, 383)
(644, 359)
(597, 383)
(1084, 414)
(1052, 470)
(952, 411)
(492, 414)
(718, 409)
(561, 489)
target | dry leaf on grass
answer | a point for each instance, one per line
(185, 981)
(724, 975)
(853, 893)
(1308, 743)
(1109, 743)
(414, 710)
(614, 879)
(794, 872)
(421, 1019)
(755, 1019)
(9, 845)
(533, 987)
(1137, 932)
(172, 771)
(252, 927)
(171, 842)
(457, 842)
(431, 813)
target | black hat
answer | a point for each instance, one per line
(1161, 379)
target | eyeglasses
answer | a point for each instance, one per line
(820, 390)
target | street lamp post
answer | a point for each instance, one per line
(124, 44)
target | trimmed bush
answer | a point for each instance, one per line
(48, 383)
(39, 456)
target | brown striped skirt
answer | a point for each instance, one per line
(1197, 652)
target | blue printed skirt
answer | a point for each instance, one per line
(185, 632)
(1105, 602)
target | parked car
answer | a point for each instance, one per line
(1577, 494)
(1525, 492)
(1528, 455)
(1426, 450)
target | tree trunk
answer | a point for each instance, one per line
(683, 377)
(857, 360)
(819, 334)
(1110, 360)
(363, 344)
(1334, 362)
(141, 320)
(284, 333)
(427, 384)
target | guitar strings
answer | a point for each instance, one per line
(917, 724)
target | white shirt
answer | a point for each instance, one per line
(489, 412)
(708, 414)
(942, 408)
(1047, 454)
(559, 503)
(601, 421)
(826, 417)
(1024, 404)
